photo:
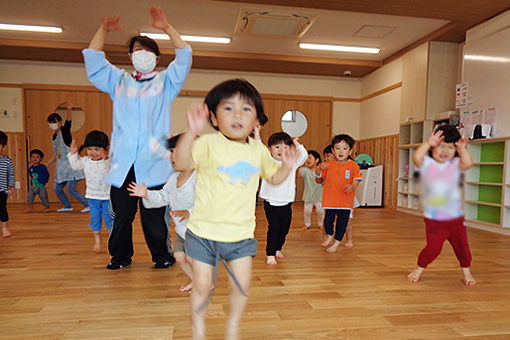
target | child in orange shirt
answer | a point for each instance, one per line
(340, 176)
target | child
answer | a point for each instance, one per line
(6, 183)
(278, 198)
(440, 173)
(39, 176)
(328, 153)
(312, 195)
(142, 103)
(178, 192)
(228, 165)
(64, 174)
(340, 177)
(95, 165)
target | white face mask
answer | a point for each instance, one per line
(53, 126)
(143, 61)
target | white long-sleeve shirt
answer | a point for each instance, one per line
(95, 171)
(285, 192)
(178, 198)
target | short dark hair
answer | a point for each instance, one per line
(315, 155)
(3, 138)
(280, 137)
(229, 89)
(343, 138)
(54, 118)
(327, 149)
(37, 152)
(146, 42)
(450, 133)
(95, 138)
(171, 143)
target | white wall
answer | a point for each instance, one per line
(11, 109)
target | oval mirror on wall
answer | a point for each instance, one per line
(77, 113)
(294, 123)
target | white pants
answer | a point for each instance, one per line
(308, 213)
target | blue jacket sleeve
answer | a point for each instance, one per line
(178, 70)
(44, 176)
(100, 72)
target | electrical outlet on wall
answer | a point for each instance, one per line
(17, 185)
(4, 113)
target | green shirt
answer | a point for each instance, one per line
(313, 190)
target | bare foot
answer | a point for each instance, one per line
(415, 275)
(6, 232)
(279, 255)
(28, 210)
(349, 244)
(306, 228)
(327, 241)
(96, 249)
(271, 260)
(46, 210)
(469, 280)
(334, 247)
(186, 288)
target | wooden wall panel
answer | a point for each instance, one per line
(16, 147)
(383, 150)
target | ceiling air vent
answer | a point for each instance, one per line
(276, 24)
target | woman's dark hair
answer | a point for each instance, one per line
(95, 138)
(343, 138)
(146, 42)
(280, 137)
(229, 89)
(54, 118)
(315, 155)
(171, 143)
(37, 152)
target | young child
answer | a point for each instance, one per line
(278, 198)
(39, 176)
(312, 194)
(6, 183)
(142, 103)
(328, 153)
(228, 166)
(441, 161)
(178, 193)
(95, 165)
(340, 177)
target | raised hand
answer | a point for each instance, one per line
(159, 20)
(69, 105)
(435, 139)
(198, 118)
(137, 190)
(180, 214)
(111, 24)
(73, 148)
(256, 132)
(461, 144)
(290, 157)
(348, 188)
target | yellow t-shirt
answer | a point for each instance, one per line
(227, 179)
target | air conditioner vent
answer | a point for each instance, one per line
(257, 22)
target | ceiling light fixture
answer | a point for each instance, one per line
(339, 48)
(29, 28)
(193, 38)
(487, 58)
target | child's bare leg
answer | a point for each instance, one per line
(348, 234)
(203, 280)
(327, 240)
(5, 230)
(97, 242)
(469, 280)
(334, 247)
(271, 259)
(241, 268)
(415, 275)
(185, 265)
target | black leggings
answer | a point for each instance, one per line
(342, 219)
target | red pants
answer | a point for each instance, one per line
(437, 232)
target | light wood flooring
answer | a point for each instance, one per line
(52, 286)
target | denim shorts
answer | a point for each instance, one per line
(209, 251)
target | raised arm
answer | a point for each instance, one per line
(289, 160)
(465, 159)
(159, 21)
(109, 24)
(434, 140)
(69, 110)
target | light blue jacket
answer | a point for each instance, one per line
(141, 115)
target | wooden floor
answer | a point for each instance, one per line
(52, 286)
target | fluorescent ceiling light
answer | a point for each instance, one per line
(47, 29)
(193, 38)
(487, 58)
(339, 48)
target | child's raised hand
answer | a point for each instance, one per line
(69, 105)
(256, 132)
(323, 166)
(198, 118)
(111, 24)
(435, 139)
(159, 20)
(290, 157)
(180, 214)
(348, 188)
(461, 144)
(137, 190)
(73, 148)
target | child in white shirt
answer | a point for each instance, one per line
(95, 166)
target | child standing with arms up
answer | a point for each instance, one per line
(228, 166)
(95, 165)
(278, 198)
(340, 177)
(441, 161)
(39, 176)
(312, 195)
(6, 183)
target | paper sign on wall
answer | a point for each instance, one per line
(462, 98)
